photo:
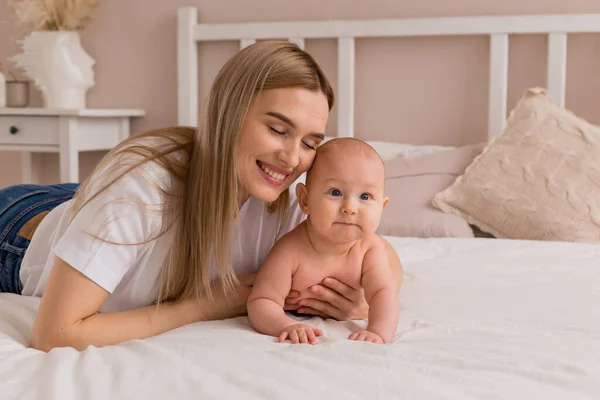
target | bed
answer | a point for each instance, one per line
(479, 317)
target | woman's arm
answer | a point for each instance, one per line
(68, 316)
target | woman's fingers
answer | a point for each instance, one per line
(291, 301)
(352, 303)
(290, 307)
(332, 299)
(340, 287)
(330, 296)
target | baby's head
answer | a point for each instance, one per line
(344, 192)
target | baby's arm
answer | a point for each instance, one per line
(380, 293)
(272, 285)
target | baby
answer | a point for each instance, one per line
(343, 199)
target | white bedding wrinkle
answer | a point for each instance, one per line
(480, 318)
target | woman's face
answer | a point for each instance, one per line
(278, 140)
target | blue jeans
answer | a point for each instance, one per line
(18, 204)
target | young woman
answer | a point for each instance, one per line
(173, 224)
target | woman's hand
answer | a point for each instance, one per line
(332, 299)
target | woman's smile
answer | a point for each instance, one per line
(272, 174)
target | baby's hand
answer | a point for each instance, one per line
(366, 336)
(300, 333)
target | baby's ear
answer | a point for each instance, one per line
(302, 196)
(385, 201)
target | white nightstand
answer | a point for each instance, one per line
(66, 132)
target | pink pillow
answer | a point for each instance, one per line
(411, 183)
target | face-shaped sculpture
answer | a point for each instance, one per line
(72, 63)
(60, 67)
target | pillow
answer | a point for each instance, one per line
(538, 180)
(391, 150)
(411, 183)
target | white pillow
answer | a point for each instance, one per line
(391, 150)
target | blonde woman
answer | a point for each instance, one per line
(173, 224)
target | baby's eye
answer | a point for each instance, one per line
(365, 196)
(336, 193)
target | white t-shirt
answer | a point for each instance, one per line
(130, 273)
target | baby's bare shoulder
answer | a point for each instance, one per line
(373, 242)
(293, 241)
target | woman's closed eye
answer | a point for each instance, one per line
(310, 146)
(277, 131)
(283, 133)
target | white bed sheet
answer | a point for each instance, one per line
(480, 318)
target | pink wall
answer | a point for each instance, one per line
(419, 90)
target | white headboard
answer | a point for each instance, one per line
(498, 28)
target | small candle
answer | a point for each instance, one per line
(17, 93)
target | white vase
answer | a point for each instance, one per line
(59, 66)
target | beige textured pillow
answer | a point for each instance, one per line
(538, 180)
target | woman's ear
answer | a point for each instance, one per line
(302, 196)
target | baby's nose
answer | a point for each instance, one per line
(348, 209)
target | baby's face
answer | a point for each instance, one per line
(345, 196)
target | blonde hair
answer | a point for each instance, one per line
(205, 206)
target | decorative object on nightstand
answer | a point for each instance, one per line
(66, 132)
(52, 54)
(17, 93)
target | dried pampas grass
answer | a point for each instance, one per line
(53, 15)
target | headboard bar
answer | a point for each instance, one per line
(497, 27)
(345, 90)
(187, 67)
(498, 83)
(521, 24)
(557, 67)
